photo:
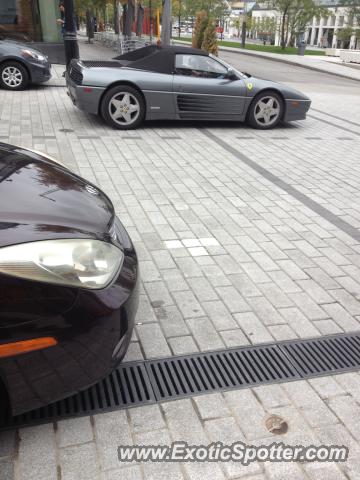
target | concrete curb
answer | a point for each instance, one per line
(282, 60)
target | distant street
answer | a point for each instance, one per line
(308, 80)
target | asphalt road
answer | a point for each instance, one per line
(309, 81)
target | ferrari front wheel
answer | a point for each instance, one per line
(123, 107)
(265, 111)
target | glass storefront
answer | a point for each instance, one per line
(30, 20)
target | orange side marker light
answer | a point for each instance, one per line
(25, 346)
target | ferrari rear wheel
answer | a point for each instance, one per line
(123, 107)
(266, 111)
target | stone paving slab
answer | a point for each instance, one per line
(320, 411)
(227, 257)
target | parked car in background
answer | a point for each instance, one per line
(179, 83)
(21, 65)
(68, 282)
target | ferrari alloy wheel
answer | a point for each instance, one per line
(266, 111)
(13, 76)
(123, 107)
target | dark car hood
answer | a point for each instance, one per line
(40, 200)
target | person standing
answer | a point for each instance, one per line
(62, 21)
(68, 32)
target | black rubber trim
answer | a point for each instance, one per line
(152, 381)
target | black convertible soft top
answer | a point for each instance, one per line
(156, 58)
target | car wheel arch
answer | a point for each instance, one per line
(269, 90)
(17, 60)
(119, 84)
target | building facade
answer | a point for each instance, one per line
(30, 20)
(321, 32)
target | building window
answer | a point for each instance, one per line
(8, 14)
(19, 19)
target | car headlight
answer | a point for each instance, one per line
(80, 263)
(33, 54)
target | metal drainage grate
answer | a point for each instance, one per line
(220, 370)
(324, 356)
(125, 387)
(141, 383)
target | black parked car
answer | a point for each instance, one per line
(68, 282)
(21, 65)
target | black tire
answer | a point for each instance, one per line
(108, 109)
(253, 118)
(22, 76)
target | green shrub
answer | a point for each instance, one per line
(200, 27)
(210, 42)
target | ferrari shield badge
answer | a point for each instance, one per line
(249, 86)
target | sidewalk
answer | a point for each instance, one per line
(92, 51)
(331, 65)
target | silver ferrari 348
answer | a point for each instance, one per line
(179, 83)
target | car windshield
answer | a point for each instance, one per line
(228, 66)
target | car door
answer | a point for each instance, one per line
(202, 91)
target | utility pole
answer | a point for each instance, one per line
(70, 40)
(166, 23)
(243, 29)
(130, 13)
(116, 17)
(151, 23)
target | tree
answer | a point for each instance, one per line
(284, 8)
(237, 24)
(251, 25)
(295, 16)
(352, 9)
(210, 42)
(301, 14)
(357, 37)
(116, 17)
(97, 8)
(344, 34)
(267, 28)
(166, 23)
(201, 23)
(178, 8)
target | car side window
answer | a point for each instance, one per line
(199, 66)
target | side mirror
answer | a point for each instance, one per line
(231, 74)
